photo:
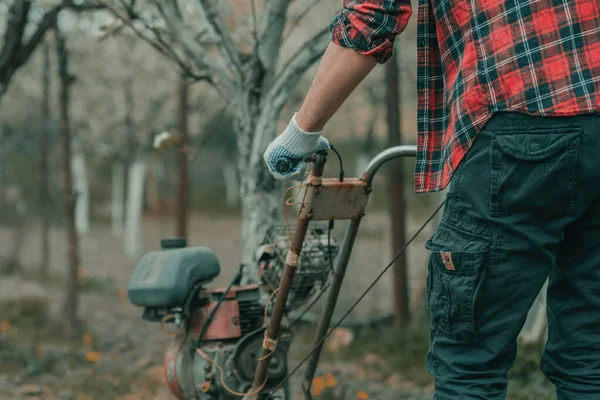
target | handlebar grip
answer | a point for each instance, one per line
(283, 165)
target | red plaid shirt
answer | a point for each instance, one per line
(479, 57)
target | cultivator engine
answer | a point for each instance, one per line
(218, 334)
(221, 365)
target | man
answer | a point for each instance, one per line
(509, 92)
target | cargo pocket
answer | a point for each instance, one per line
(457, 268)
(534, 171)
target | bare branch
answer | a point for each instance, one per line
(193, 48)
(289, 75)
(130, 24)
(227, 46)
(46, 23)
(297, 21)
(15, 28)
(15, 52)
(285, 82)
(159, 37)
(271, 32)
(161, 48)
(254, 20)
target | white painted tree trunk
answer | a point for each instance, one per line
(117, 205)
(232, 188)
(81, 188)
(133, 219)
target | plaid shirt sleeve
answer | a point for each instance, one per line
(370, 26)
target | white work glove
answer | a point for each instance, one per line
(294, 144)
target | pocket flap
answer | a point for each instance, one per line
(459, 262)
(534, 146)
(457, 252)
(446, 238)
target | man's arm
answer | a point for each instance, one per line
(338, 74)
(362, 35)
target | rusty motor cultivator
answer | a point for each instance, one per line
(230, 343)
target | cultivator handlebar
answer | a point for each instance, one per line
(324, 199)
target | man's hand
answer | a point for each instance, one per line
(294, 144)
(340, 71)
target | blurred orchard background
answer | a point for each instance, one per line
(87, 90)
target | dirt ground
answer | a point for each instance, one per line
(133, 349)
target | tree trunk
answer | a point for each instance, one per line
(117, 198)
(16, 50)
(183, 189)
(135, 198)
(3, 151)
(396, 196)
(72, 296)
(260, 194)
(232, 186)
(162, 184)
(82, 192)
(366, 150)
(44, 163)
(14, 260)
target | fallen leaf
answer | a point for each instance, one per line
(93, 356)
(330, 380)
(362, 395)
(80, 273)
(4, 326)
(122, 294)
(318, 385)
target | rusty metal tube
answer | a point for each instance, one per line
(336, 285)
(281, 299)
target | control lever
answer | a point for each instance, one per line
(284, 165)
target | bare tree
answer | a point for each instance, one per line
(183, 191)
(44, 161)
(66, 80)
(17, 47)
(244, 71)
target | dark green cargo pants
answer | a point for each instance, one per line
(523, 206)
